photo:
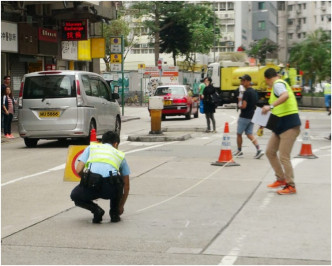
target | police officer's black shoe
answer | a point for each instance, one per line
(98, 215)
(115, 218)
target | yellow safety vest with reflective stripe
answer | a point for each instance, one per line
(289, 106)
(327, 89)
(104, 153)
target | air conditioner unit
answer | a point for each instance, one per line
(298, 11)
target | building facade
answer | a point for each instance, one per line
(37, 36)
(298, 19)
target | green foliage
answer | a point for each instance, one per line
(178, 27)
(313, 56)
(261, 48)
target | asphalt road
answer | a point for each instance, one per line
(181, 209)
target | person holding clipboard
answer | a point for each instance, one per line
(285, 124)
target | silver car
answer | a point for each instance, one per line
(66, 104)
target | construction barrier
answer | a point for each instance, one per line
(306, 151)
(74, 152)
(226, 157)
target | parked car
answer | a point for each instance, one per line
(65, 104)
(178, 100)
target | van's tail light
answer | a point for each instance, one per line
(78, 94)
(20, 96)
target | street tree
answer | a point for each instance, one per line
(116, 28)
(261, 48)
(313, 56)
(174, 26)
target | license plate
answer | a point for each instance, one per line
(49, 114)
(167, 102)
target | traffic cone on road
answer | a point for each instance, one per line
(226, 157)
(306, 151)
(93, 135)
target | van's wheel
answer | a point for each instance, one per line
(30, 143)
(117, 128)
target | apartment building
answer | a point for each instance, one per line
(297, 19)
(238, 24)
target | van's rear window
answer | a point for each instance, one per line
(55, 86)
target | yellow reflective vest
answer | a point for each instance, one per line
(105, 153)
(289, 106)
(327, 89)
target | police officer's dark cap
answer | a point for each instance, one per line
(245, 77)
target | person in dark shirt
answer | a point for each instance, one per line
(209, 106)
(247, 106)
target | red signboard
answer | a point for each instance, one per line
(47, 35)
(75, 30)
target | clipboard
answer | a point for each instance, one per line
(259, 118)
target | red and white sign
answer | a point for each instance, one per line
(160, 64)
(168, 71)
(47, 35)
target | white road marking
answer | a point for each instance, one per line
(62, 166)
(232, 256)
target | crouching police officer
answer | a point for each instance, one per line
(104, 174)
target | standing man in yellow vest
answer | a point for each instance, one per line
(327, 95)
(287, 124)
(104, 174)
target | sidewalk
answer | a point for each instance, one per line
(17, 136)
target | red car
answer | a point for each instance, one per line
(178, 101)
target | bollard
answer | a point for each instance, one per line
(156, 104)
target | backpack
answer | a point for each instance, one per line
(215, 99)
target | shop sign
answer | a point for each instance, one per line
(75, 30)
(69, 50)
(47, 35)
(9, 37)
(98, 47)
(84, 50)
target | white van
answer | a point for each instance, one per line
(66, 104)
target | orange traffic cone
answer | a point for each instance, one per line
(93, 135)
(306, 151)
(226, 157)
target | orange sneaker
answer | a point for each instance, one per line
(277, 184)
(288, 189)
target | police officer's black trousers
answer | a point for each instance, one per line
(83, 197)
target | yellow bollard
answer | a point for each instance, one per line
(156, 104)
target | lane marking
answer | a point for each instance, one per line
(62, 166)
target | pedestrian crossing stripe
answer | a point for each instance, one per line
(70, 174)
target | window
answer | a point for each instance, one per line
(299, 35)
(261, 5)
(261, 25)
(94, 87)
(57, 86)
(103, 93)
(290, 8)
(304, 6)
(230, 5)
(222, 6)
(290, 22)
(322, 18)
(304, 20)
(290, 36)
(86, 85)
